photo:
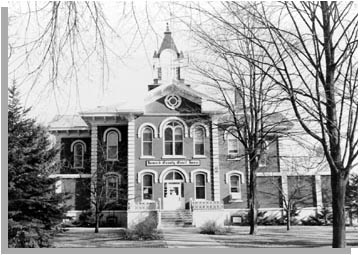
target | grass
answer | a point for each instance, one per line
(279, 237)
(238, 237)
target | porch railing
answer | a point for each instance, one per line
(143, 206)
(206, 205)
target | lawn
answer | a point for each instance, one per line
(278, 236)
(267, 237)
(106, 238)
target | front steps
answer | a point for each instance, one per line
(179, 218)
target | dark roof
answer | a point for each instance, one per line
(167, 43)
(66, 122)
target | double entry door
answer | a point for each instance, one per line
(173, 196)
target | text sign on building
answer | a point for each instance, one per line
(173, 162)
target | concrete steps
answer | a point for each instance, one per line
(179, 218)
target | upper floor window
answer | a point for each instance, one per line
(173, 139)
(78, 148)
(200, 186)
(198, 140)
(112, 138)
(147, 141)
(232, 144)
(147, 187)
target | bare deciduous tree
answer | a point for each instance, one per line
(312, 46)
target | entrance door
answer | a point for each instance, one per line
(173, 199)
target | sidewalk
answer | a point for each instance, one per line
(189, 238)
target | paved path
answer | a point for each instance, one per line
(189, 238)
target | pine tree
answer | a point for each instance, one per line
(34, 207)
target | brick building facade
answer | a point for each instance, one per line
(172, 155)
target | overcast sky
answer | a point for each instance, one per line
(128, 76)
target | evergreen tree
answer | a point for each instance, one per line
(34, 207)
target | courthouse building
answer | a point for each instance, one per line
(172, 158)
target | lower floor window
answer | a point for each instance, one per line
(147, 187)
(200, 186)
(112, 183)
(235, 186)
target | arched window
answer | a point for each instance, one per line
(112, 145)
(232, 144)
(147, 142)
(78, 148)
(147, 187)
(200, 192)
(198, 140)
(173, 139)
(112, 187)
(235, 186)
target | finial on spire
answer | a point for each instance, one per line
(167, 27)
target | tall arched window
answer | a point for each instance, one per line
(112, 145)
(147, 142)
(200, 186)
(147, 187)
(78, 148)
(173, 139)
(198, 140)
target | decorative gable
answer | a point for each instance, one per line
(174, 98)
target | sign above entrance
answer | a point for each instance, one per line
(173, 163)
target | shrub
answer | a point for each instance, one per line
(145, 230)
(324, 217)
(86, 219)
(212, 228)
(29, 235)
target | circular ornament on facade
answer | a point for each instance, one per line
(173, 101)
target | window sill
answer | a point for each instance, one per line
(233, 159)
(235, 200)
(147, 157)
(148, 201)
(173, 157)
(78, 168)
(112, 160)
(199, 156)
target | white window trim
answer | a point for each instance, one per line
(238, 195)
(142, 151)
(105, 136)
(105, 176)
(173, 143)
(82, 151)
(168, 169)
(205, 185)
(195, 125)
(147, 171)
(196, 171)
(148, 124)
(153, 181)
(194, 141)
(170, 119)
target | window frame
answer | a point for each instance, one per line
(151, 142)
(143, 186)
(173, 141)
(204, 187)
(107, 176)
(73, 150)
(230, 135)
(108, 133)
(203, 142)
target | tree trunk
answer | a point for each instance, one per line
(288, 219)
(350, 216)
(252, 199)
(338, 208)
(96, 219)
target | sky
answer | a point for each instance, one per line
(128, 75)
